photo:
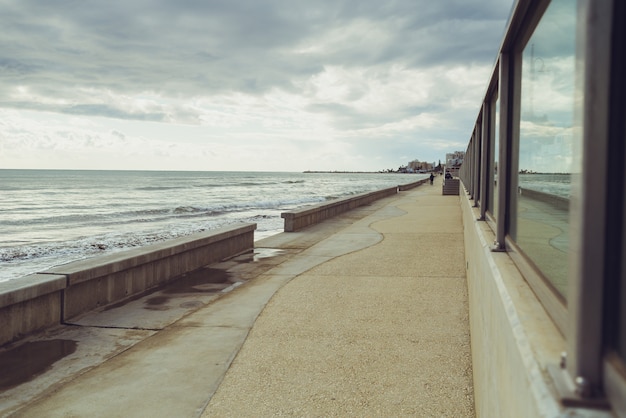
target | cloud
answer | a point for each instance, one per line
(331, 68)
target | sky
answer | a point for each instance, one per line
(252, 85)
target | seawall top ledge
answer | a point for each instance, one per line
(336, 202)
(30, 287)
(124, 260)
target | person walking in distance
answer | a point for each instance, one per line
(432, 177)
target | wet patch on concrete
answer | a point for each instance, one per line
(191, 304)
(29, 360)
(195, 281)
(156, 300)
(156, 303)
(263, 253)
(255, 263)
(165, 304)
(93, 346)
(259, 254)
(204, 280)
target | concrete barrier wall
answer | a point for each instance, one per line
(310, 215)
(29, 304)
(38, 301)
(301, 218)
(405, 187)
(513, 338)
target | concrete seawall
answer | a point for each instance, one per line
(38, 301)
(409, 186)
(310, 215)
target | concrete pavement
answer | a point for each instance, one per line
(363, 315)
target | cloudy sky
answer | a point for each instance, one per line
(269, 85)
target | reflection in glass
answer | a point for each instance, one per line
(546, 142)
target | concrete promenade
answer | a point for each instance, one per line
(363, 315)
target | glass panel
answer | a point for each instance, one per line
(621, 320)
(546, 142)
(495, 147)
(478, 149)
(621, 300)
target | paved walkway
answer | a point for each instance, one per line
(363, 315)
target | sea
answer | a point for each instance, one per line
(52, 217)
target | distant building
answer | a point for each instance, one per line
(454, 161)
(420, 166)
(455, 158)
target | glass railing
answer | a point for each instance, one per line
(554, 188)
(545, 142)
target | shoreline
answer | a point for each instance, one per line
(356, 172)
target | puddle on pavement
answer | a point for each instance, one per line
(192, 282)
(25, 362)
(191, 304)
(157, 300)
(261, 253)
(258, 254)
(205, 280)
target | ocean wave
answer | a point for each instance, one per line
(157, 188)
(85, 247)
(51, 221)
(188, 209)
(245, 206)
(233, 184)
(104, 217)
